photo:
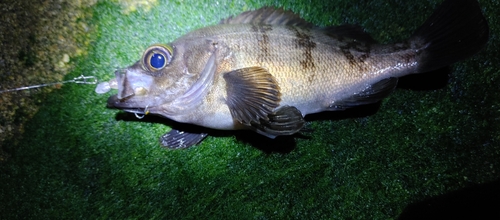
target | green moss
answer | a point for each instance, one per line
(79, 159)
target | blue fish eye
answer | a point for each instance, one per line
(157, 57)
(157, 61)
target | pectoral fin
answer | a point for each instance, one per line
(176, 139)
(252, 94)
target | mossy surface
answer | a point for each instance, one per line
(78, 159)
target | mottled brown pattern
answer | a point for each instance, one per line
(401, 46)
(361, 53)
(262, 40)
(406, 57)
(305, 42)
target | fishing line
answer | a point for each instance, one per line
(101, 88)
(89, 80)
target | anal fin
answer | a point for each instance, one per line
(369, 95)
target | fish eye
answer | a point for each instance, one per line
(157, 57)
(157, 61)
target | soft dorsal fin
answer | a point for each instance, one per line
(350, 31)
(269, 16)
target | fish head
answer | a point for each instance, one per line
(160, 81)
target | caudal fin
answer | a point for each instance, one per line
(455, 31)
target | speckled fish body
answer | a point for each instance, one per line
(265, 70)
(314, 71)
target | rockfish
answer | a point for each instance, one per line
(264, 70)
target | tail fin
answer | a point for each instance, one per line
(455, 31)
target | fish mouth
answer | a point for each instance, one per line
(120, 100)
(114, 101)
(122, 104)
(133, 89)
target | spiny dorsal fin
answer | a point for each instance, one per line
(269, 16)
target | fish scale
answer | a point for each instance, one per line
(264, 70)
(330, 77)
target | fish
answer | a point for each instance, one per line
(264, 70)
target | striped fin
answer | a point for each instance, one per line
(268, 16)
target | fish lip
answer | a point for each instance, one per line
(116, 103)
(113, 102)
(120, 103)
(121, 79)
(129, 97)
